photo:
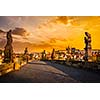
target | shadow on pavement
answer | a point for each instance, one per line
(12, 77)
(36, 63)
(77, 74)
(80, 75)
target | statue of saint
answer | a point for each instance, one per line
(26, 57)
(88, 47)
(8, 52)
(26, 51)
(53, 54)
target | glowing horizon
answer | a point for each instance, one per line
(48, 32)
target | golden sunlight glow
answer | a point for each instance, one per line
(55, 32)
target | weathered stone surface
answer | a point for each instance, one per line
(88, 47)
(8, 52)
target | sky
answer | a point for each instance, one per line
(39, 33)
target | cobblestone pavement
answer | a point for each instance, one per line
(47, 72)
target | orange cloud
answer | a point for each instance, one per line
(53, 32)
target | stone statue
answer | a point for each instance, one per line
(53, 54)
(26, 51)
(44, 55)
(8, 52)
(88, 47)
(26, 58)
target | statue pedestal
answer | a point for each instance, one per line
(89, 55)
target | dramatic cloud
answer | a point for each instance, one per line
(46, 32)
(2, 43)
(20, 31)
(61, 19)
(2, 38)
(1, 31)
